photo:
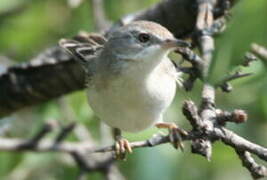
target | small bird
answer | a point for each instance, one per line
(130, 79)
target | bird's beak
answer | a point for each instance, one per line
(174, 43)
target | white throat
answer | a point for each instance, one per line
(146, 63)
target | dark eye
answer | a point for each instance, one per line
(143, 37)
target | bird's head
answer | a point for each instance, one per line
(142, 40)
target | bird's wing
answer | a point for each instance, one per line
(84, 47)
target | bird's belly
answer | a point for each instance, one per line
(132, 106)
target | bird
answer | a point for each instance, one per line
(130, 80)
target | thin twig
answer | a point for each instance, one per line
(236, 75)
(259, 51)
(249, 57)
(64, 132)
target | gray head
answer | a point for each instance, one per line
(141, 40)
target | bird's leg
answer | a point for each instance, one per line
(175, 133)
(122, 145)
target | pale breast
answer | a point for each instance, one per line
(133, 104)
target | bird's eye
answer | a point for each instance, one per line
(143, 37)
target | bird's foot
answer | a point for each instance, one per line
(122, 147)
(175, 134)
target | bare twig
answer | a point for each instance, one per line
(76, 150)
(190, 111)
(249, 57)
(257, 171)
(234, 76)
(218, 133)
(224, 82)
(259, 51)
(194, 72)
(237, 116)
(35, 140)
(65, 131)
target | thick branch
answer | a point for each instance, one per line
(49, 75)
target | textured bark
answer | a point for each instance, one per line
(51, 74)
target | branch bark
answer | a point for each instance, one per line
(218, 133)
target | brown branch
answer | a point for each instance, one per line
(30, 83)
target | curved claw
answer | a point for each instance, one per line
(175, 134)
(122, 147)
(176, 139)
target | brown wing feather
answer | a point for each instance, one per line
(83, 47)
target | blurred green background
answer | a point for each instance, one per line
(39, 24)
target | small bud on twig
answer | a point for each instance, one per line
(237, 116)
